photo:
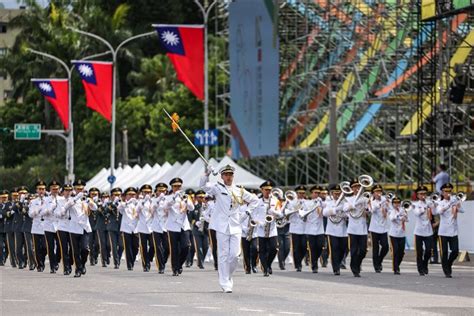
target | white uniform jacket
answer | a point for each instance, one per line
(448, 225)
(335, 229)
(422, 221)
(36, 207)
(356, 226)
(378, 221)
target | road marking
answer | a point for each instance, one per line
(113, 303)
(12, 300)
(207, 307)
(176, 282)
(158, 305)
(244, 309)
(290, 313)
(67, 302)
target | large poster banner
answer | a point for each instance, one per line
(254, 78)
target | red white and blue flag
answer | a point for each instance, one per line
(184, 45)
(97, 80)
(56, 91)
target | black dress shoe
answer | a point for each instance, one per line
(324, 264)
(426, 271)
(56, 267)
(265, 274)
(187, 265)
(315, 270)
(422, 273)
(201, 266)
(52, 271)
(67, 272)
(116, 266)
(396, 272)
(270, 271)
(20, 267)
(175, 273)
(130, 269)
(343, 266)
(77, 274)
(449, 276)
(32, 268)
(254, 270)
(298, 269)
(104, 265)
(180, 270)
(378, 270)
(161, 271)
(247, 272)
(2, 264)
(337, 272)
(83, 271)
(356, 275)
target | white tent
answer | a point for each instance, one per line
(191, 173)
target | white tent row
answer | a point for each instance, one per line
(190, 172)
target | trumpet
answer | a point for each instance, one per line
(406, 205)
(433, 198)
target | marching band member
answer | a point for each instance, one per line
(356, 207)
(398, 218)
(94, 194)
(378, 229)
(37, 231)
(212, 233)
(192, 249)
(128, 209)
(200, 226)
(17, 221)
(314, 228)
(177, 225)
(114, 220)
(448, 209)
(298, 239)
(248, 240)
(423, 230)
(283, 230)
(265, 216)
(229, 198)
(101, 229)
(8, 212)
(158, 226)
(63, 222)
(323, 195)
(27, 225)
(145, 218)
(79, 208)
(50, 224)
(24, 250)
(336, 228)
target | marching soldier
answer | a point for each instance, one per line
(249, 238)
(145, 218)
(63, 222)
(200, 227)
(101, 229)
(423, 230)
(336, 228)
(9, 213)
(177, 225)
(355, 208)
(448, 209)
(27, 225)
(314, 228)
(265, 216)
(398, 218)
(36, 207)
(378, 207)
(94, 194)
(49, 224)
(229, 198)
(79, 208)
(17, 224)
(297, 227)
(325, 253)
(283, 230)
(3, 236)
(212, 234)
(128, 209)
(113, 219)
(160, 235)
(192, 250)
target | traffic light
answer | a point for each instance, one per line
(4, 131)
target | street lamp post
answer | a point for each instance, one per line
(205, 14)
(114, 53)
(70, 132)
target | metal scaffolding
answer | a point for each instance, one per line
(393, 107)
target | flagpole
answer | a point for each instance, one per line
(114, 52)
(205, 14)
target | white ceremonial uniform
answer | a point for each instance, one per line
(356, 226)
(314, 221)
(265, 207)
(297, 225)
(396, 226)
(208, 215)
(178, 213)
(129, 216)
(448, 225)
(227, 223)
(422, 221)
(79, 219)
(335, 229)
(36, 207)
(62, 216)
(159, 215)
(378, 222)
(145, 216)
(49, 220)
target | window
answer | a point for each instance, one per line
(3, 28)
(3, 51)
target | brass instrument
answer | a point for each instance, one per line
(268, 223)
(406, 205)
(346, 190)
(251, 227)
(201, 227)
(365, 182)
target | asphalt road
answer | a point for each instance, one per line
(197, 292)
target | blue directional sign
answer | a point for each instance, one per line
(204, 137)
(111, 179)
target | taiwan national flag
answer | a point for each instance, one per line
(97, 80)
(184, 45)
(56, 91)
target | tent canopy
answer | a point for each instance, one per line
(190, 172)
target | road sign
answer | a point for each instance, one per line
(27, 131)
(111, 179)
(204, 137)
